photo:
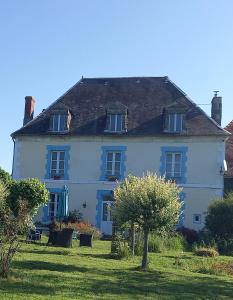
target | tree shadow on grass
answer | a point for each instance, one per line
(47, 252)
(128, 283)
(101, 256)
(43, 265)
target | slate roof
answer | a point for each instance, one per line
(229, 151)
(145, 98)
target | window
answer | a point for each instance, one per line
(113, 163)
(197, 218)
(107, 211)
(53, 205)
(57, 164)
(58, 123)
(173, 165)
(174, 122)
(115, 123)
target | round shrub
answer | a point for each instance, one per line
(204, 251)
(219, 220)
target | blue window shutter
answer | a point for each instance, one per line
(45, 217)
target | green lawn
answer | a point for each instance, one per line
(41, 272)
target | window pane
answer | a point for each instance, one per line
(62, 123)
(62, 155)
(105, 211)
(53, 172)
(109, 156)
(61, 165)
(168, 168)
(178, 122)
(112, 122)
(54, 164)
(119, 123)
(54, 155)
(117, 166)
(168, 157)
(117, 156)
(52, 197)
(55, 122)
(171, 122)
(177, 169)
(109, 166)
(177, 157)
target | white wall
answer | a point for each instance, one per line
(204, 182)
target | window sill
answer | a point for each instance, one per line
(109, 131)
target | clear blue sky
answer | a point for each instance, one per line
(46, 46)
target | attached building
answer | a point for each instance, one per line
(103, 129)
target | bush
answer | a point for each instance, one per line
(159, 243)
(225, 246)
(219, 220)
(205, 251)
(190, 235)
(121, 247)
(73, 217)
(5, 177)
(31, 190)
(84, 227)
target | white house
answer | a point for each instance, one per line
(102, 129)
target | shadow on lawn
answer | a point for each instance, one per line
(102, 256)
(43, 265)
(127, 283)
(50, 252)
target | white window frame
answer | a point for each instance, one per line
(58, 128)
(173, 165)
(175, 127)
(113, 120)
(56, 201)
(113, 162)
(58, 160)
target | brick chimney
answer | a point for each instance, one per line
(216, 108)
(29, 109)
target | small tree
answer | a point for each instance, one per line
(149, 201)
(31, 190)
(219, 218)
(5, 177)
(18, 204)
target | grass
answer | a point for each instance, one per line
(41, 272)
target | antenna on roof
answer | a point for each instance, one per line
(216, 93)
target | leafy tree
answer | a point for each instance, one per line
(32, 190)
(5, 177)
(18, 203)
(219, 218)
(151, 202)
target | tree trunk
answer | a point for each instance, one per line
(145, 250)
(114, 232)
(132, 238)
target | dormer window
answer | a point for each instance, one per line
(174, 122)
(59, 121)
(115, 123)
(116, 117)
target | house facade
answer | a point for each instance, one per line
(103, 129)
